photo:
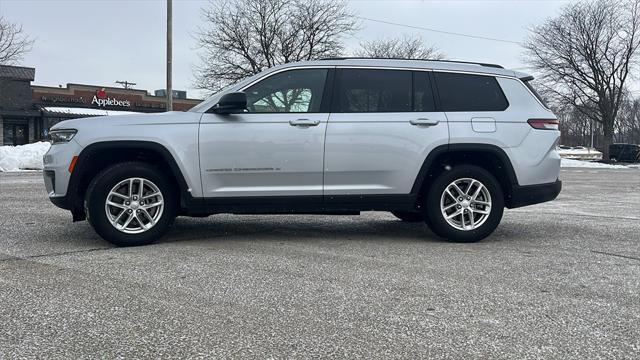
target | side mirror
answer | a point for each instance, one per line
(231, 103)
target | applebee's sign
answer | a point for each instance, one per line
(101, 99)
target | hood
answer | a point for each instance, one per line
(146, 127)
(121, 120)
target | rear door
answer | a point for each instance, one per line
(478, 110)
(382, 126)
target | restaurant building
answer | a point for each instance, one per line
(27, 111)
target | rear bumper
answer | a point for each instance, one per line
(533, 194)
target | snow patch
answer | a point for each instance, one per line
(588, 164)
(582, 153)
(86, 111)
(23, 157)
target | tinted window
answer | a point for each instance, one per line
(288, 92)
(422, 92)
(464, 92)
(365, 90)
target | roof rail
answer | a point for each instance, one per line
(434, 60)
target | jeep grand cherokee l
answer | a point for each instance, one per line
(450, 144)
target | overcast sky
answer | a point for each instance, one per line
(99, 42)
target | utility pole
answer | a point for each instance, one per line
(169, 55)
(126, 84)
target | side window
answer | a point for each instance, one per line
(422, 92)
(465, 92)
(366, 90)
(529, 85)
(294, 91)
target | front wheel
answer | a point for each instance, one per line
(130, 204)
(465, 204)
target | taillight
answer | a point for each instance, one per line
(544, 124)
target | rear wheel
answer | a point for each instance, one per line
(409, 216)
(130, 204)
(465, 204)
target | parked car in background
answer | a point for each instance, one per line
(579, 153)
(625, 152)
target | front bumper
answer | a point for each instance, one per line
(57, 177)
(61, 201)
(69, 202)
(533, 194)
(56, 167)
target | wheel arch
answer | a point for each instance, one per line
(97, 156)
(490, 157)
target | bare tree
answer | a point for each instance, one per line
(585, 55)
(14, 43)
(406, 47)
(576, 128)
(628, 124)
(243, 37)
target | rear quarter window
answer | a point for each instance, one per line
(531, 88)
(467, 92)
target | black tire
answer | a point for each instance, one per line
(409, 216)
(437, 221)
(102, 184)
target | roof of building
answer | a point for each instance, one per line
(68, 89)
(17, 72)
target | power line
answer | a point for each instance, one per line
(440, 31)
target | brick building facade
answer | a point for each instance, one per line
(28, 111)
(16, 109)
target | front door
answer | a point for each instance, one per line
(276, 148)
(15, 134)
(21, 134)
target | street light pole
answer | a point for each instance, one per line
(169, 89)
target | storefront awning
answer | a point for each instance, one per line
(83, 111)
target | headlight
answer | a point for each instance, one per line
(62, 136)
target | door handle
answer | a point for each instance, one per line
(424, 122)
(304, 122)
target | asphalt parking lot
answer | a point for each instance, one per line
(557, 280)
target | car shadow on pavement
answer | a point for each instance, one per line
(298, 228)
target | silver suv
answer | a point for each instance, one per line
(447, 143)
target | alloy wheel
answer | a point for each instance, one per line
(134, 205)
(465, 204)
